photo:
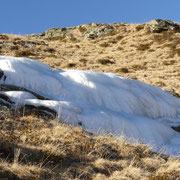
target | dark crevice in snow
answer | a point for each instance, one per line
(8, 87)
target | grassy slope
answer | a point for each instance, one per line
(32, 148)
(129, 51)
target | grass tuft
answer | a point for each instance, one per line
(105, 61)
(122, 70)
(143, 47)
(105, 44)
(23, 53)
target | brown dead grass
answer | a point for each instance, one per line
(23, 53)
(31, 148)
(129, 45)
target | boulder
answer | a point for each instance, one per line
(57, 33)
(91, 31)
(95, 30)
(159, 25)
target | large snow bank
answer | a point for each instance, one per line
(101, 103)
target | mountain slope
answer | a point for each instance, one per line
(37, 148)
(130, 50)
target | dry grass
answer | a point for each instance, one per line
(123, 70)
(71, 65)
(4, 37)
(105, 61)
(138, 67)
(23, 53)
(32, 148)
(129, 45)
(104, 44)
(83, 60)
(82, 29)
(143, 47)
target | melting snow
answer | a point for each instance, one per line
(102, 103)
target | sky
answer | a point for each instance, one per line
(35, 16)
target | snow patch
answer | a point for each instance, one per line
(101, 103)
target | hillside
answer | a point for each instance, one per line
(36, 147)
(129, 50)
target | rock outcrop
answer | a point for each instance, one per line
(159, 25)
(90, 31)
(95, 30)
(58, 33)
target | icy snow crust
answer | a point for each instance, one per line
(102, 103)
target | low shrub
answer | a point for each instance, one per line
(169, 62)
(105, 61)
(50, 50)
(73, 39)
(143, 47)
(12, 48)
(120, 48)
(122, 70)
(4, 37)
(113, 41)
(77, 46)
(83, 60)
(166, 36)
(70, 65)
(119, 37)
(138, 67)
(105, 44)
(173, 52)
(58, 38)
(82, 29)
(160, 84)
(139, 27)
(23, 53)
(112, 33)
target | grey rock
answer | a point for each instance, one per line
(37, 35)
(95, 30)
(172, 92)
(6, 45)
(17, 44)
(159, 25)
(57, 32)
(27, 44)
(91, 31)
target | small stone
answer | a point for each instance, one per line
(1, 74)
